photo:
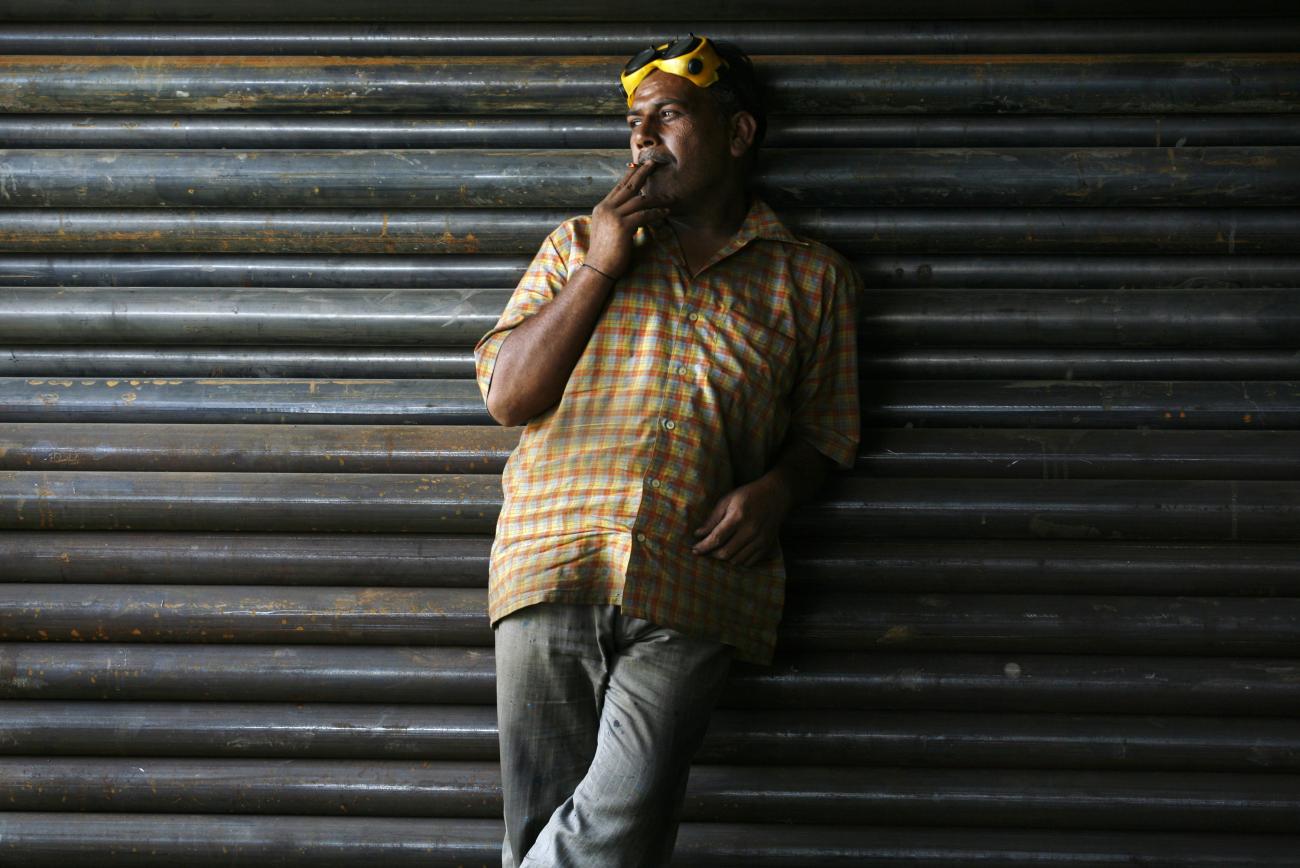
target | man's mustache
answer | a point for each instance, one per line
(653, 155)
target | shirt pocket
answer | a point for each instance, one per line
(750, 360)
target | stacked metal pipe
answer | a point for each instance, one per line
(248, 486)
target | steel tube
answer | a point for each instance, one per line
(76, 840)
(883, 679)
(256, 400)
(750, 736)
(880, 177)
(47, 839)
(546, 37)
(1037, 623)
(961, 403)
(592, 11)
(888, 797)
(1080, 364)
(284, 730)
(1246, 319)
(833, 84)
(983, 271)
(801, 680)
(426, 449)
(267, 231)
(603, 131)
(399, 560)
(1103, 454)
(397, 788)
(150, 500)
(1195, 318)
(1094, 271)
(1083, 404)
(414, 560)
(238, 613)
(360, 272)
(1081, 509)
(1044, 454)
(1032, 623)
(521, 231)
(358, 502)
(256, 673)
(1049, 567)
(1046, 230)
(124, 315)
(279, 362)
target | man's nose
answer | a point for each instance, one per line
(646, 134)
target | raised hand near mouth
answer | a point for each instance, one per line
(615, 219)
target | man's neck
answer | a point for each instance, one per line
(703, 229)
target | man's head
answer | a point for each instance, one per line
(699, 113)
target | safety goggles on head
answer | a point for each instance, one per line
(691, 57)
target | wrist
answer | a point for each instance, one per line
(778, 489)
(601, 271)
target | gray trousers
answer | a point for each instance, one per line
(599, 716)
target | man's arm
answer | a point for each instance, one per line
(536, 359)
(744, 526)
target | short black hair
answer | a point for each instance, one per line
(738, 89)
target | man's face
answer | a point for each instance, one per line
(680, 125)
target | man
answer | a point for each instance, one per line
(686, 370)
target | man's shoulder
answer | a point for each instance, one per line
(820, 262)
(812, 258)
(567, 240)
(574, 228)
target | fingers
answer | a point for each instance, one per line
(635, 203)
(729, 536)
(719, 537)
(712, 529)
(642, 216)
(629, 186)
(738, 542)
(753, 552)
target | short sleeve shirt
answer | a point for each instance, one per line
(687, 389)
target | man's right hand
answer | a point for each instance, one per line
(535, 361)
(615, 219)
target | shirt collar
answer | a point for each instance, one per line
(762, 222)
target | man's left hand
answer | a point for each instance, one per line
(743, 527)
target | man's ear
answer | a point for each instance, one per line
(741, 133)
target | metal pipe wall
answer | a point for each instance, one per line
(826, 84)
(547, 38)
(985, 271)
(602, 131)
(248, 484)
(577, 179)
(332, 841)
(401, 230)
(594, 11)
(1258, 693)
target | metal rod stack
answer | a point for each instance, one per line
(248, 486)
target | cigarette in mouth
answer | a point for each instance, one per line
(650, 155)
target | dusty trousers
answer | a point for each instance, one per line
(599, 716)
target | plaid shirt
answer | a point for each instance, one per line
(686, 390)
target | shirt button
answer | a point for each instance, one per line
(670, 424)
(654, 483)
(640, 537)
(693, 316)
(681, 369)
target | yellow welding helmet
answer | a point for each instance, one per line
(691, 57)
